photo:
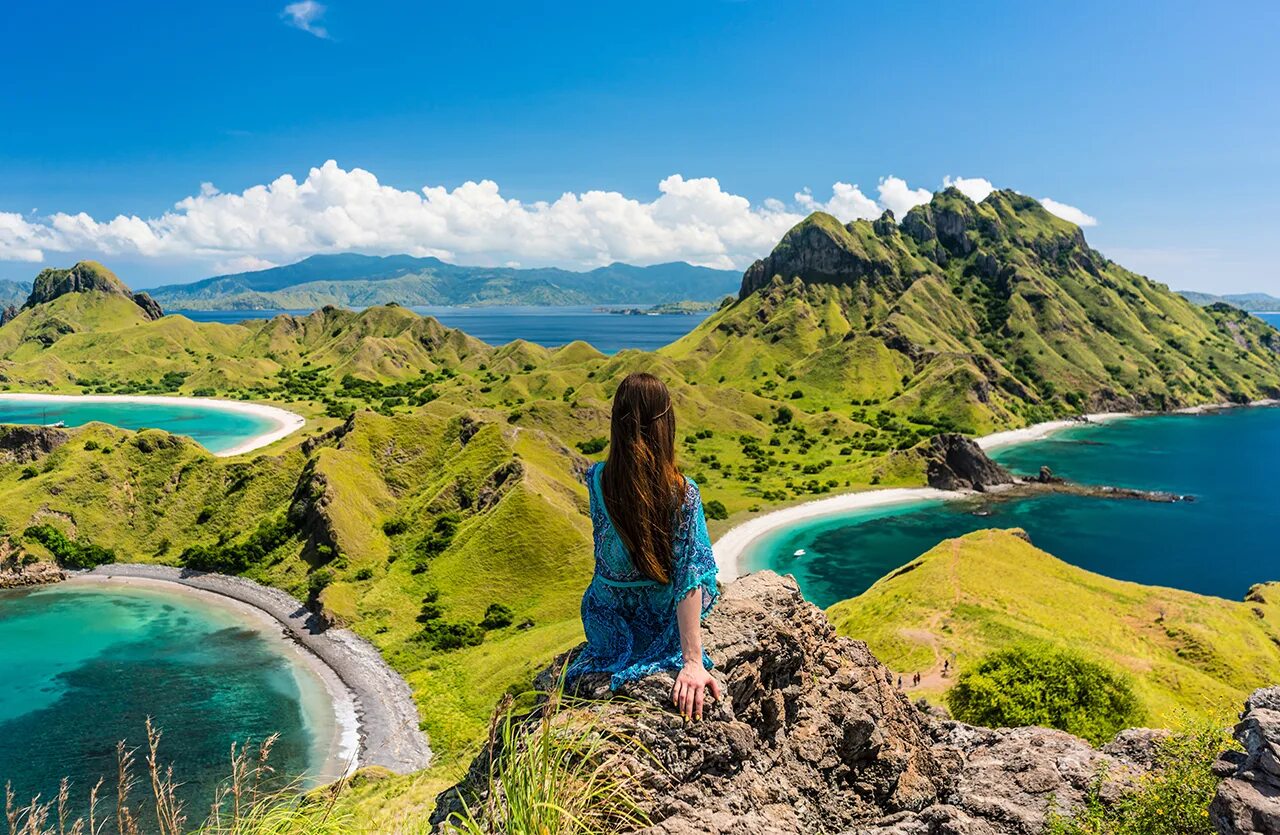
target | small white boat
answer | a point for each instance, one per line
(61, 424)
(799, 553)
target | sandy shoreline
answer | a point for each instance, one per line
(374, 707)
(284, 422)
(733, 544)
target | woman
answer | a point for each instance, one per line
(655, 576)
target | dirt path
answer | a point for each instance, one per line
(941, 674)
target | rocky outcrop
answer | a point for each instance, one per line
(14, 574)
(954, 462)
(8, 315)
(21, 444)
(820, 250)
(86, 277)
(1248, 798)
(813, 736)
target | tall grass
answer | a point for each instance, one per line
(246, 803)
(557, 771)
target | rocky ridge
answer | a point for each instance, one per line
(1248, 799)
(86, 277)
(813, 736)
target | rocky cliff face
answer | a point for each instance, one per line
(1248, 799)
(86, 277)
(24, 444)
(813, 736)
(955, 462)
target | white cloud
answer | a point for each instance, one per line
(340, 210)
(306, 15)
(895, 194)
(243, 264)
(1070, 213)
(975, 188)
(847, 203)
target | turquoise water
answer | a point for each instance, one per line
(550, 326)
(1220, 544)
(213, 428)
(85, 665)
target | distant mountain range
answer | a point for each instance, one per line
(1252, 302)
(359, 281)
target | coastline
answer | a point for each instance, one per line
(374, 708)
(730, 547)
(284, 422)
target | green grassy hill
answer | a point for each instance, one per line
(992, 589)
(438, 475)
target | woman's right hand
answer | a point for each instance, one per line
(689, 693)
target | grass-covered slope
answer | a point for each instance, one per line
(406, 528)
(992, 589)
(982, 315)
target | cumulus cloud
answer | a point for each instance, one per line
(306, 15)
(975, 188)
(847, 203)
(895, 194)
(1070, 213)
(348, 210)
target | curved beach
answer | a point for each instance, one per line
(730, 547)
(283, 422)
(374, 707)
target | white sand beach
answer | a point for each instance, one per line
(284, 422)
(733, 544)
(374, 711)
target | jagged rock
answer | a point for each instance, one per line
(819, 249)
(15, 574)
(1248, 798)
(86, 277)
(24, 444)
(813, 736)
(1046, 476)
(149, 306)
(8, 315)
(955, 462)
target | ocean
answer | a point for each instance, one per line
(549, 326)
(86, 665)
(1220, 544)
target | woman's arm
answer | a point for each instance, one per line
(693, 680)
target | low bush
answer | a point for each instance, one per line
(1040, 684)
(70, 553)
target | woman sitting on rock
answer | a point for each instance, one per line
(655, 576)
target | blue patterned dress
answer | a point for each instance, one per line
(629, 619)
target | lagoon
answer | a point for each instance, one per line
(1220, 544)
(86, 663)
(222, 427)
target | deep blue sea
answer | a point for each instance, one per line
(214, 429)
(549, 326)
(84, 666)
(1220, 544)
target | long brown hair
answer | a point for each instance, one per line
(642, 486)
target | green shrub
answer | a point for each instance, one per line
(1041, 684)
(497, 616)
(70, 553)
(443, 636)
(715, 509)
(319, 581)
(1172, 800)
(592, 446)
(227, 557)
(365, 573)
(391, 527)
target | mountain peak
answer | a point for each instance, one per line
(821, 250)
(86, 277)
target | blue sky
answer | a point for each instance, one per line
(1157, 120)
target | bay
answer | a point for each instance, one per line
(1220, 544)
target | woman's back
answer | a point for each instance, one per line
(629, 619)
